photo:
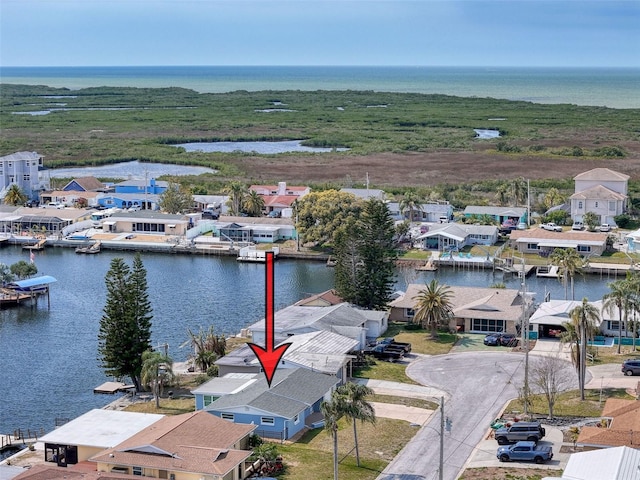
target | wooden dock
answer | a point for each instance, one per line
(113, 387)
(36, 246)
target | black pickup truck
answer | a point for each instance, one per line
(391, 342)
(384, 352)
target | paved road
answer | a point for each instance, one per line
(477, 385)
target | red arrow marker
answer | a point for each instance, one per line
(269, 356)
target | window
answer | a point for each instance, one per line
(296, 419)
(532, 246)
(267, 421)
(208, 400)
(584, 248)
(580, 205)
(487, 325)
(137, 471)
(596, 204)
(615, 325)
(409, 312)
(227, 416)
(26, 177)
(612, 206)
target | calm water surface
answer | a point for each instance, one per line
(49, 362)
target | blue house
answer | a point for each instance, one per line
(134, 194)
(292, 402)
(140, 186)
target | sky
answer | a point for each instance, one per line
(570, 33)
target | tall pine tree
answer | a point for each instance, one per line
(125, 326)
(365, 258)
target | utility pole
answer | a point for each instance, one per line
(525, 343)
(441, 470)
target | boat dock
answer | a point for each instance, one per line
(36, 246)
(113, 387)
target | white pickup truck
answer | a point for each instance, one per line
(551, 226)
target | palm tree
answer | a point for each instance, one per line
(434, 306)
(253, 204)
(519, 190)
(617, 298)
(569, 262)
(236, 192)
(157, 369)
(332, 412)
(357, 408)
(207, 347)
(410, 201)
(552, 198)
(571, 336)
(502, 194)
(585, 317)
(14, 195)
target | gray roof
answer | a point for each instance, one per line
(295, 317)
(229, 384)
(365, 193)
(602, 175)
(150, 215)
(19, 156)
(292, 390)
(322, 351)
(502, 211)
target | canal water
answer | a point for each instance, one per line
(48, 361)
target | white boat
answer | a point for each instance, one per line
(549, 271)
(252, 254)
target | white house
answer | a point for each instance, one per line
(601, 191)
(430, 212)
(447, 236)
(20, 168)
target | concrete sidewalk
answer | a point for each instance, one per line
(385, 387)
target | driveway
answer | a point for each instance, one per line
(476, 386)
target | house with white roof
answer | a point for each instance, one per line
(343, 319)
(430, 212)
(321, 351)
(601, 191)
(456, 236)
(618, 463)
(91, 433)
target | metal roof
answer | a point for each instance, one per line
(34, 282)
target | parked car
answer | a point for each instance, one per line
(631, 367)
(391, 342)
(551, 227)
(525, 451)
(492, 340)
(577, 226)
(504, 339)
(520, 431)
(384, 352)
(605, 227)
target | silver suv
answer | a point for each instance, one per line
(519, 431)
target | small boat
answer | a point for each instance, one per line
(548, 271)
(94, 248)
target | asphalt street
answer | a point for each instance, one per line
(476, 387)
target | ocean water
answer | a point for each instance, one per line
(610, 87)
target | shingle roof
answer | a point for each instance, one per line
(472, 302)
(598, 192)
(624, 428)
(489, 210)
(292, 390)
(329, 297)
(193, 442)
(601, 174)
(87, 183)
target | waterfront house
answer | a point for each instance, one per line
(224, 384)
(282, 410)
(293, 320)
(145, 221)
(455, 236)
(134, 193)
(322, 299)
(84, 184)
(321, 351)
(500, 215)
(182, 447)
(601, 191)
(21, 169)
(249, 229)
(475, 309)
(32, 221)
(91, 433)
(543, 242)
(622, 427)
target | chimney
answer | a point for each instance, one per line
(282, 188)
